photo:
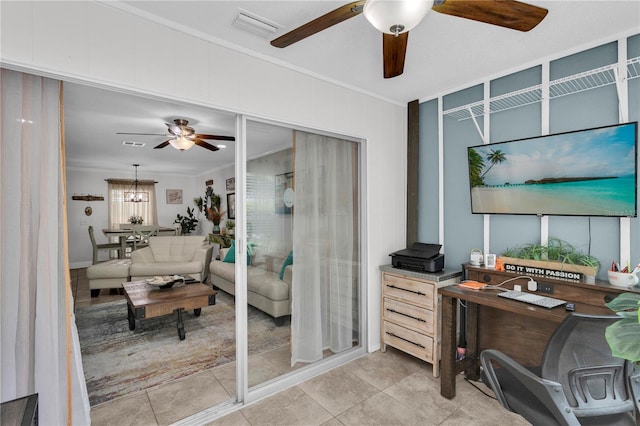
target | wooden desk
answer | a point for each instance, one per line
(518, 329)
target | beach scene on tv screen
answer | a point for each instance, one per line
(590, 172)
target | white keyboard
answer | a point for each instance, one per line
(532, 299)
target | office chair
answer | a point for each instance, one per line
(106, 246)
(578, 383)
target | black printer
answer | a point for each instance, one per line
(420, 258)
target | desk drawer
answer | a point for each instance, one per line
(415, 317)
(412, 291)
(416, 344)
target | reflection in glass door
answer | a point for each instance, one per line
(303, 242)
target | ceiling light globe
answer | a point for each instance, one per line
(396, 16)
(181, 143)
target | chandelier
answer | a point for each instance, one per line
(133, 195)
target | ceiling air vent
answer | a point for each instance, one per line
(255, 24)
(133, 144)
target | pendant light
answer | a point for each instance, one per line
(134, 195)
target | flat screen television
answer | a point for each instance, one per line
(591, 172)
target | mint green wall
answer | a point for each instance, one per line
(464, 231)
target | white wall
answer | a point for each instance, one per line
(86, 41)
(83, 182)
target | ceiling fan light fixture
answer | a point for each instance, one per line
(396, 16)
(181, 143)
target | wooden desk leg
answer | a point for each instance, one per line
(472, 372)
(448, 347)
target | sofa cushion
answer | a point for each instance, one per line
(259, 280)
(175, 249)
(116, 268)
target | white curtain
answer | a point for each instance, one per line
(324, 246)
(120, 211)
(39, 350)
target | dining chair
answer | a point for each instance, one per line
(141, 234)
(105, 246)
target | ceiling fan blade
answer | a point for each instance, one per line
(215, 137)
(394, 50)
(322, 23)
(504, 13)
(142, 134)
(206, 145)
(162, 145)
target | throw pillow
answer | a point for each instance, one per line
(288, 261)
(230, 257)
(231, 253)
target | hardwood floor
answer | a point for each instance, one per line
(82, 294)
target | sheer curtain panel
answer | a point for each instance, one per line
(324, 246)
(120, 211)
(39, 351)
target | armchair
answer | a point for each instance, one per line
(578, 383)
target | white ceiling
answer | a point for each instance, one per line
(445, 53)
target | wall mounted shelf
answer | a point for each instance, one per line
(569, 85)
(88, 197)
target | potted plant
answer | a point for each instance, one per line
(556, 254)
(187, 223)
(135, 220)
(623, 336)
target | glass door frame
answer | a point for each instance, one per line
(244, 394)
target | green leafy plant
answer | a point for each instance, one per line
(555, 250)
(136, 220)
(199, 202)
(187, 223)
(623, 336)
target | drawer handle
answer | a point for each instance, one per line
(406, 340)
(405, 289)
(406, 315)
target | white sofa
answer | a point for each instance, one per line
(265, 290)
(183, 255)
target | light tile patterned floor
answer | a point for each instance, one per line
(389, 388)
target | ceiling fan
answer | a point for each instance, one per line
(394, 18)
(185, 136)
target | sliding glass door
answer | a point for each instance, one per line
(303, 228)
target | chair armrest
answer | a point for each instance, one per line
(143, 255)
(548, 392)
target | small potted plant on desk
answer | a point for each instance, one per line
(557, 255)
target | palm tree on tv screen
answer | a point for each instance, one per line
(496, 156)
(476, 164)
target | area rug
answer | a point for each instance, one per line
(118, 361)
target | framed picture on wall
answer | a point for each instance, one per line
(231, 184)
(283, 182)
(231, 205)
(174, 196)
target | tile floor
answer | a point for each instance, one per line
(389, 388)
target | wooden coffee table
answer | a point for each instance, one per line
(147, 301)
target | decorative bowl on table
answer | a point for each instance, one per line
(166, 281)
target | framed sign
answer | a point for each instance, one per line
(231, 184)
(231, 205)
(174, 196)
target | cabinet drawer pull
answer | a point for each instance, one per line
(405, 289)
(406, 315)
(406, 340)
